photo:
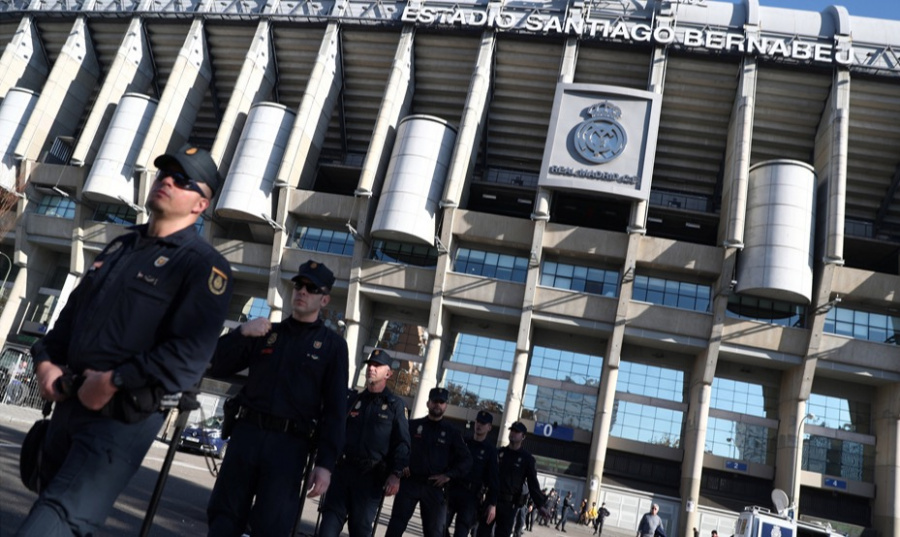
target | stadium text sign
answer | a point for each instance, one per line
(660, 33)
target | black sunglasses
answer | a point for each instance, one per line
(310, 287)
(181, 180)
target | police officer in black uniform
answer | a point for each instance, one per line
(439, 455)
(141, 325)
(375, 454)
(517, 468)
(294, 396)
(477, 491)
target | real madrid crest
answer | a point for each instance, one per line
(160, 261)
(358, 404)
(384, 406)
(317, 344)
(272, 337)
(218, 281)
(419, 430)
(600, 138)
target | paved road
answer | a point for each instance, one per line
(181, 511)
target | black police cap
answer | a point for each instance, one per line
(439, 394)
(197, 164)
(379, 357)
(315, 272)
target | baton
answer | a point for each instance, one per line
(310, 462)
(180, 423)
(377, 516)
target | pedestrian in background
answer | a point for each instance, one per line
(602, 513)
(564, 515)
(650, 524)
(293, 403)
(139, 329)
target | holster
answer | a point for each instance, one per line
(231, 407)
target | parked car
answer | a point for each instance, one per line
(204, 437)
(18, 383)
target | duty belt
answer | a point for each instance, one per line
(274, 423)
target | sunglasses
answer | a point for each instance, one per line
(310, 287)
(181, 180)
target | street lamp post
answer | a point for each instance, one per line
(798, 456)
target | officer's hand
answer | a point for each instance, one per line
(392, 485)
(47, 372)
(97, 389)
(319, 480)
(256, 328)
(490, 513)
(439, 480)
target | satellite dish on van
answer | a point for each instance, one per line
(780, 499)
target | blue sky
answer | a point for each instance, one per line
(881, 9)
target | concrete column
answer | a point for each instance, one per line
(181, 99)
(737, 158)
(322, 90)
(131, 71)
(694, 439)
(791, 410)
(471, 125)
(65, 94)
(886, 506)
(519, 374)
(14, 307)
(395, 104)
(831, 163)
(692, 442)
(254, 84)
(606, 394)
(429, 377)
(438, 320)
(23, 64)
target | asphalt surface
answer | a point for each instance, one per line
(181, 510)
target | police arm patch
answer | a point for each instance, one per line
(218, 281)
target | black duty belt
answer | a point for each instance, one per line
(274, 423)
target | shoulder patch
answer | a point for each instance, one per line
(218, 281)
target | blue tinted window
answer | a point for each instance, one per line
(491, 265)
(58, 206)
(322, 240)
(580, 278)
(673, 293)
(857, 324)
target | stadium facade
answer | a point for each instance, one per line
(664, 234)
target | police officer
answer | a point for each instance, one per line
(375, 454)
(464, 495)
(517, 470)
(439, 455)
(296, 386)
(142, 324)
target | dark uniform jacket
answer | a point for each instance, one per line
(298, 371)
(517, 468)
(437, 448)
(484, 472)
(377, 432)
(150, 308)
